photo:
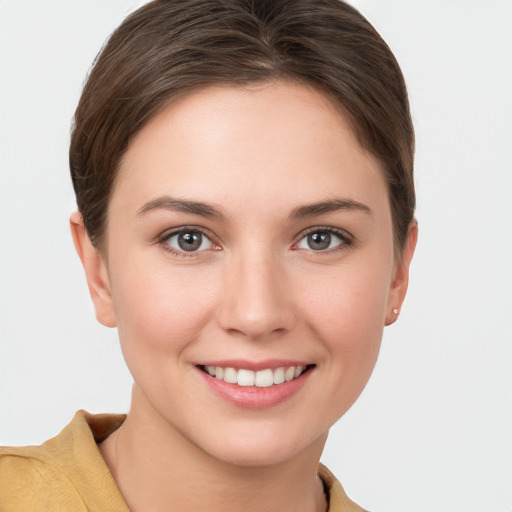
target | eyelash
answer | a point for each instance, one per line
(347, 240)
(163, 241)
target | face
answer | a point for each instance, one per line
(250, 269)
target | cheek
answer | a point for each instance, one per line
(159, 308)
(348, 321)
(347, 314)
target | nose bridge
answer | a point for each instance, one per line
(256, 303)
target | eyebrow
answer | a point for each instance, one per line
(181, 205)
(323, 207)
(208, 210)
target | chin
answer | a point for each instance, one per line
(253, 456)
(263, 447)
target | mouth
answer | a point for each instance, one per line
(263, 378)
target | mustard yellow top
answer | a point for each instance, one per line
(68, 473)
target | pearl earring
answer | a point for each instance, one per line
(395, 311)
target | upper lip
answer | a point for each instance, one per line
(254, 365)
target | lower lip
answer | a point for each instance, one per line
(252, 397)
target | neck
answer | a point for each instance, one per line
(156, 468)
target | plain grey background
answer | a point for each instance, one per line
(432, 430)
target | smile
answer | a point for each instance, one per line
(264, 378)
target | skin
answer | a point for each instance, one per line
(255, 291)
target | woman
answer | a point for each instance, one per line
(243, 174)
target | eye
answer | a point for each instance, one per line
(187, 241)
(323, 240)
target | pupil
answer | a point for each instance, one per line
(319, 241)
(189, 241)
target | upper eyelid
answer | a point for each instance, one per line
(347, 240)
(168, 233)
(163, 239)
(337, 231)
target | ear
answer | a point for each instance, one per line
(95, 272)
(400, 280)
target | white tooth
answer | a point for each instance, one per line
(278, 375)
(219, 372)
(229, 375)
(264, 379)
(298, 371)
(245, 378)
(210, 370)
(289, 373)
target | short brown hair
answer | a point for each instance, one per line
(170, 47)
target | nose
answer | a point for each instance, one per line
(257, 302)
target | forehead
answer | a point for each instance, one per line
(275, 141)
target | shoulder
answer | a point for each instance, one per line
(65, 473)
(29, 481)
(338, 499)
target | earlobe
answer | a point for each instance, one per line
(95, 272)
(400, 281)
